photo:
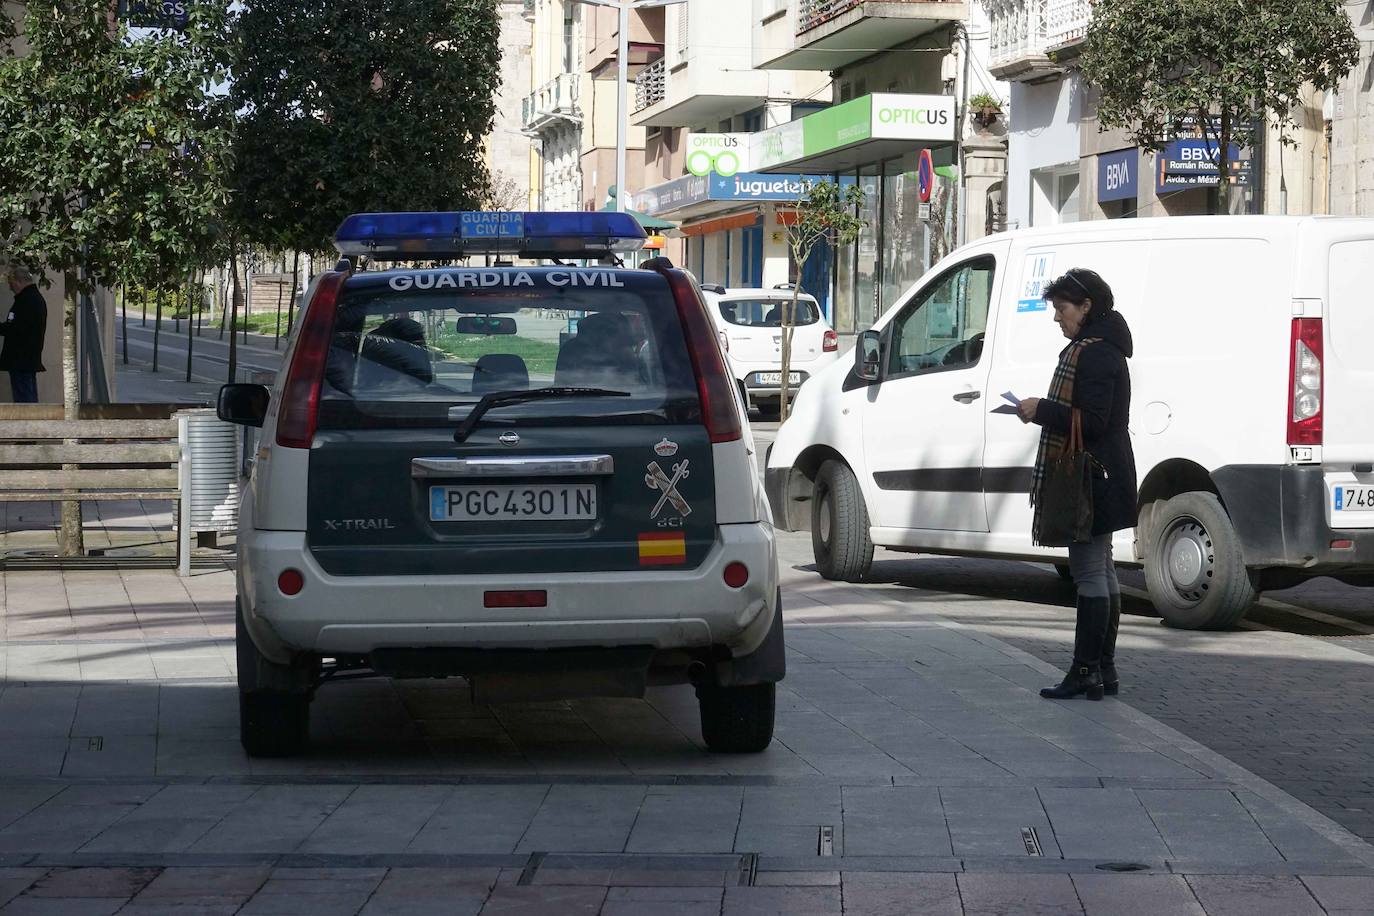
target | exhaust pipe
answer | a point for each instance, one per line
(696, 673)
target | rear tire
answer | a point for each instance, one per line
(1195, 570)
(839, 525)
(274, 700)
(737, 720)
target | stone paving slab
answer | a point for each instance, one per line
(918, 742)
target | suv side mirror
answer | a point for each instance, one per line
(868, 356)
(243, 404)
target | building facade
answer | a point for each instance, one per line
(507, 147)
(1350, 177)
(1064, 168)
(780, 93)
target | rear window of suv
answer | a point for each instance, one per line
(423, 347)
(765, 313)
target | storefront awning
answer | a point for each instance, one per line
(863, 131)
(701, 196)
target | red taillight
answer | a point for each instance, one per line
(525, 598)
(830, 342)
(290, 582)
(1305, 383)
(736, 575)
(714, 384)
(300, 393)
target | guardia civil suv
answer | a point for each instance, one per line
(536, 478)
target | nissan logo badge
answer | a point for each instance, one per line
(509, 438)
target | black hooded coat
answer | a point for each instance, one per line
(1102, 391)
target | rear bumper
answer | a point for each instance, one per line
(1280, 515)
(356, 615)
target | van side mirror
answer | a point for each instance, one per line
(868, 356)
(243, 404)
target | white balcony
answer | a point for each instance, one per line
(552, 104)
(834, 33)
(650, 86)
(1021, 38)
(1066, 22)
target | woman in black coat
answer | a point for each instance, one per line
(1092, 377)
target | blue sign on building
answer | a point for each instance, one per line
(1118, 175)
(1194, 164)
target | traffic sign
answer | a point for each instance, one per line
(925, 175)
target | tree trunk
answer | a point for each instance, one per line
(70, 540)
(190, 321)
(789, 320)
(1224, 165)
(233, 313)
(157, 326)
(124, 319)
(276, 336)
(291, 305)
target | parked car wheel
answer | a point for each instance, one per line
(737, 720)
(839, 525)
(1195, 571)
(274, 700)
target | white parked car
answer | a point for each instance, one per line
(1251, 419)
(750, 324)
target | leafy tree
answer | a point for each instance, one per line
(1232, 64)
(111, 153)
(354, 107)
(825, 214)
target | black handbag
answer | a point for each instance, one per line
(1066, 493)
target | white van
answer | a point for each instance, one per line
(1252, 415)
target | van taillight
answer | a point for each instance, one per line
(830, 342)
(714, 384)
(300, 393)
(1305, 378)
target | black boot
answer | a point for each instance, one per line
(1111, 685)
(1085, 676)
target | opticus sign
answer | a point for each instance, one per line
(724, 154)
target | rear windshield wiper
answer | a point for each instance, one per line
(498, 398)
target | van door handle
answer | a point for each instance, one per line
(968, 397)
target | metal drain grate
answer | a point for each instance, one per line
(1032, 841)
(748, 869)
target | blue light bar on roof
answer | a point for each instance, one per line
(420, 236)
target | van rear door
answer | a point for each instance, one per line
(1347, 364)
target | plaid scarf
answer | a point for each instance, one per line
(1053, 444)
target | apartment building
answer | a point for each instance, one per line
(507, 147)
(1063, 168)
(753, 101)
(570, 114)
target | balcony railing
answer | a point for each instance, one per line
(555, 100)
(1018, 29)
(651, 85)
(1066, 21)
(812, 13)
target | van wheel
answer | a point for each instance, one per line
(839, 525)
(274, 700)
(737, 720)
(1195, 571)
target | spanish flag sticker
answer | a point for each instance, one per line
(666, 548)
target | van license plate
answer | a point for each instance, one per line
(775, 378)
(1353, 499)
(512, 503)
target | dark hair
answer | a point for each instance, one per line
(1078, 285)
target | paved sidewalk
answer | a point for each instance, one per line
(915, 771)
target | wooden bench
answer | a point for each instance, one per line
(97, 459)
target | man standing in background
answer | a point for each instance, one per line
(23, 329)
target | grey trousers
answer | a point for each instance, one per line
(1093, 571)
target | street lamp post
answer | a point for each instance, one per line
(622, 80)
